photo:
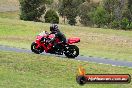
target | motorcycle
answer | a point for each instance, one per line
(43, 44)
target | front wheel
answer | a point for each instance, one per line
(33, 48)
(72, 51)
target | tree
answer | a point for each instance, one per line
(32, 10)
(51, 17)
(69, 9)
(128, 13)
(110, 6)
(49, 2)
(85, 11)
(120, 12)
(124, 22)
(100, 16)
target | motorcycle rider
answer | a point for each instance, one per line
(55, 30)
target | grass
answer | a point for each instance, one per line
(9, 2)
(10, 15)
(107, 43)
(20, 70)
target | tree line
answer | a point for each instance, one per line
(115, 14)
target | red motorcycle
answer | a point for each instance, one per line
(43, 44)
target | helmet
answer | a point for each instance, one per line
(54, 28)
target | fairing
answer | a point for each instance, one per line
(73, 40)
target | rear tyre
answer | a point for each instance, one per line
(33, 48)
(72, 51)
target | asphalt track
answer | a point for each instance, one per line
(81, 58)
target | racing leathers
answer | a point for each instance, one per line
(62, 38)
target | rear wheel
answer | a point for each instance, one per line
(33, 48)
(72, 51)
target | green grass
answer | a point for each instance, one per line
(10, 15)
(20, 70)
(107, 43)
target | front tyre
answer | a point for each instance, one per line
(72, 51)
(33, 48)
